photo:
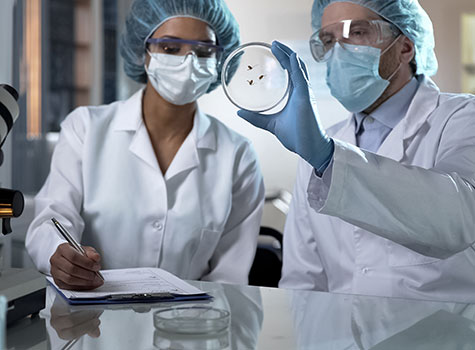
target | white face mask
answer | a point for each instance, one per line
(181, 80)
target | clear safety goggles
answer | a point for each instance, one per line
(181, 47)
(351, 32)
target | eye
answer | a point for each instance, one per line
(204, 51)
(358, 32)
(327, 40)
(169, 48)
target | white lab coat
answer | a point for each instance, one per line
(199, 221)
(353, 322)
(398, 223)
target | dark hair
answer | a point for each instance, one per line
(413, 65)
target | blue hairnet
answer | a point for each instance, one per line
(407, 15)
(147, 15)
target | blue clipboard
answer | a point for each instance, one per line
(134, 298)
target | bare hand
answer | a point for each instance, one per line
(71, 270)
(74, 324)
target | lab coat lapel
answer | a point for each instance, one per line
(422, 106)
(129, 113)
(187, 157)
(425, 102)
(202, 135)
(141, 146)
(393, 145)
(129, 119)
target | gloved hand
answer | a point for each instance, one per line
(297, 126)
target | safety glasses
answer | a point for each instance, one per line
(180, 47)
(350, 32)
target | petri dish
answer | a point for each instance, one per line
(191, 320)
(169, 340)
(253, 78)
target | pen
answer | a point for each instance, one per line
(67, 236)
(69, 345)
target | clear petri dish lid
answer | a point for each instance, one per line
(192, 320)
(253, 79)
(208, 341)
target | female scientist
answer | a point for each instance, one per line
(152, 181)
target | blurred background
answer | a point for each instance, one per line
(61, 54)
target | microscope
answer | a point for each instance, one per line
(11, 201)
(25, 289)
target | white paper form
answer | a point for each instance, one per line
(134, 281)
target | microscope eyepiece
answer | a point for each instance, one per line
(9, 110)
(11, 90)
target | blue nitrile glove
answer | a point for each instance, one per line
(297, 126)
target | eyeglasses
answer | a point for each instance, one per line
(180, 47)
(350, 32)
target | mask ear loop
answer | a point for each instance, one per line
(394, 73)
(147, 52)
(391, 45)
(386, 50)
(145, 63)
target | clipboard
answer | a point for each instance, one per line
(136, 285)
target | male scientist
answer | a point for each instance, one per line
(384, 202)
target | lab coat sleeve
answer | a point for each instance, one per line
(302, 267)
(233, 257)
(61, 195)
(430, 211)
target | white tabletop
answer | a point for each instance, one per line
(260, 318)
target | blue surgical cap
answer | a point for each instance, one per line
(407, 15)
(147, 15)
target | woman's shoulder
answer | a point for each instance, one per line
(83, 117)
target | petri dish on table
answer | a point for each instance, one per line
(208, 341)
(192, 320)
(253, 79)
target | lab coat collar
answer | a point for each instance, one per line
(202, 136)
(423, 104)
(393, 110)
(129, 113)
(425, 101)
(129, 118)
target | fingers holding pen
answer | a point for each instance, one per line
(90, 262)
(93, 255)
(71, 270)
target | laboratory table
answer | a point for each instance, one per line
(259, 318)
